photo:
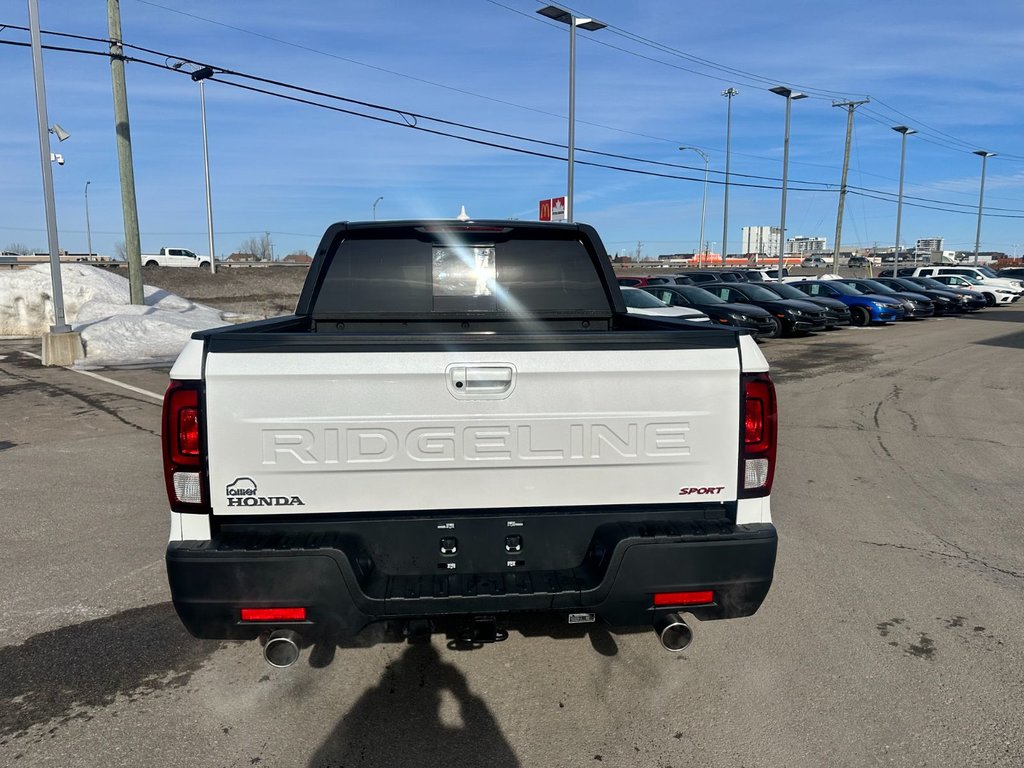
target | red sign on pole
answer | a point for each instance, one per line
(558, 209)
(545, 210)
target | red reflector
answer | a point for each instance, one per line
(188, 431)
(701, 597)
(273, 614)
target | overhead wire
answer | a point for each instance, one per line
(822, 186)
(760, 81)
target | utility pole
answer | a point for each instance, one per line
(129, 207)
(850, 106)
(728, 93)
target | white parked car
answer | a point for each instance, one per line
(997, 290)
(642, 303)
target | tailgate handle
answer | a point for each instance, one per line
(481, 380)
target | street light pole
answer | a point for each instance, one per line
(59, 323)
(201, 75)
(375, 206)
(905, 131)
(566, 17)
(981, 199)
(728, 93)
(704, 201)
(790, 95)
(88, 226)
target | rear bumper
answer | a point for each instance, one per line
(343, 592)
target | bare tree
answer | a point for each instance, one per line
(119, 251)
(19, 248)
(260, 247)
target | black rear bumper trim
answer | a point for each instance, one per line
(627, 563)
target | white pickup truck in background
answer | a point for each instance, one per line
(460, 426)
(175, 257)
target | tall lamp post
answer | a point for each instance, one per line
(905, 131)
(566, 17)
(704, 201)
(201, 75)
(374, 209)
(59, 323)
(88, 226)
(728, 93)
(790, 96)
(981, 199)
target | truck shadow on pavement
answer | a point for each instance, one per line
(62, 674)
(421, 713)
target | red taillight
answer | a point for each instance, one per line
(700, 597)
(188, 431)
(273, 614)
(760, 434)
(184, 473)
(754, 424)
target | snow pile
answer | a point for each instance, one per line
(96, 303)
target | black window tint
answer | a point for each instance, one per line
(399, 275)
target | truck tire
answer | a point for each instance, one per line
(860, 316)
(152, 263)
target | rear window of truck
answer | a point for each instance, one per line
(532, 277)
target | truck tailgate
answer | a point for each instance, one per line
(299, 433)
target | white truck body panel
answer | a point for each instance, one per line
(346, 432)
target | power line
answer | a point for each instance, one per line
(822, 94)
(873, 194)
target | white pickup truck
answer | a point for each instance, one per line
(175, 257)
(461, 425)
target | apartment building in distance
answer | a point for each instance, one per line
(762, 240)
(928, 245)
(806, 246)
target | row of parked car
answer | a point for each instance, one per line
(769, 308)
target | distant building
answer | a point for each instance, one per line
(762, 240)
(926, 245)
(298, 258)
(805, 246)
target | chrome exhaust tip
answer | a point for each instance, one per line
(673, 632)
(282, 648)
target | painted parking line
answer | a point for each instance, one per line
(137, 390)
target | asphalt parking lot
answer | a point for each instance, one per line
(892, 635)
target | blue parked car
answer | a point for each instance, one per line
(864, 307)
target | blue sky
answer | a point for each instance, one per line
(938, 66)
